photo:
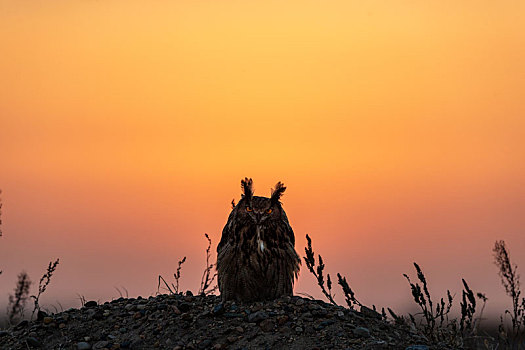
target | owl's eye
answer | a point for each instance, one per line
(269, 211)
(249, 209)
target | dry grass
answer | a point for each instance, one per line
(207, 277)
(510, 279)
(43, 283)
(207, 280)
(17, 302)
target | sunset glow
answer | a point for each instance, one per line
(126, 126)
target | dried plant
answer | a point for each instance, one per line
(120, 292)
(350, 298)
(511, 282)
(43, 283)
(318, 271)
(18, 301)
(422, 298)
(82, 299)
(174, 289)
(468, 308)
(206, 280)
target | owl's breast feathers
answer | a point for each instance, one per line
(256, 262)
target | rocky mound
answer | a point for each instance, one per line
(196, 322)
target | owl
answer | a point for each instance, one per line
(256, 257)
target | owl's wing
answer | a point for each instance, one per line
(288, 229)
(226, 231)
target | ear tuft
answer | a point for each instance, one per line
(277, 192)
(247, 188)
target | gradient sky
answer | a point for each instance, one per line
(126, 126)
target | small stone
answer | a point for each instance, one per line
(204, 344)
(231, 339)
(299, 302)
(219, 309)
(91, 303)
(340, 314)
(267, 325)
(40, 315)
(298, 329)
(417, 347)
(101, 344)
(184, 307)
(217, 346)
(21, 324)
(62, 325)
(239, 329)
(257, 316)
(282, 319)
(368, 312)
(125, 344)
(137, 315)
(361, 332)
(176, 310)
(83, 346)
(47, 320)
(32, 341)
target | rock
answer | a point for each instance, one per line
(218, 309)
(33, 342)
(91, 303)
(417, 347)
(83, 345)
(137, 344)
(368, 312)
(299, 329)
(101, 344)
(22, 324)
(257, 316)
(40, 315)
(176, 310)
(282, 319)
(300, 302)
(184, 307)
(204, 344)
(267, 325)
(47, 320)
(361, 332)
(231, 339)
(3, 334)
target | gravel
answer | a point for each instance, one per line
(178, 322)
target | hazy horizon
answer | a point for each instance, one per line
(126, 126)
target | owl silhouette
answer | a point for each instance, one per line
(256, 257)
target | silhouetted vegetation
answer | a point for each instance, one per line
(206, 280)
(43, 283)
(309, 259)
(17, 302)
(511, 282)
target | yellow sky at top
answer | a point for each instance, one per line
(297, 84)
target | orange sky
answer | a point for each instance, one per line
(126, 126)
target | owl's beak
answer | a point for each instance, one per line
(258, 218)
